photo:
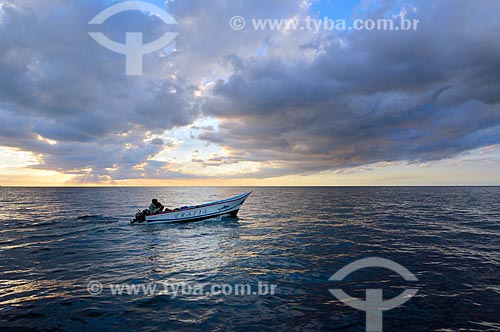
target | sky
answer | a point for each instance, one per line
(250, 107)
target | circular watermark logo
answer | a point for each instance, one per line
(374, 305)
(134, 48)
(94, 288)
(237, 23)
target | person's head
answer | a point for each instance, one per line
(154, 201)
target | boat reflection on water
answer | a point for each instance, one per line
(192, 252)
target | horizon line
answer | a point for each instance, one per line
(247, 186)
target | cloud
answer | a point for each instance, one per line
(292, 102)
(376, 96)
(58, 83)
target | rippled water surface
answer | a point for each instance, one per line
(54, 241)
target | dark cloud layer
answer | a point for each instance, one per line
(59, 83)
(309, 102)
(371, 96)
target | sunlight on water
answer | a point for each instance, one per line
(54, 241)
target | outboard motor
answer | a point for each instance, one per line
(140, 217)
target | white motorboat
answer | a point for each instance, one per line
(229, 206)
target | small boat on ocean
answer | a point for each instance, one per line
(229, 206)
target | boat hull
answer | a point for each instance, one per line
(229, 206)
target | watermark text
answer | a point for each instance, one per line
(182, 289)
(316, 25)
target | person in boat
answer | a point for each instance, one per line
(155, 207)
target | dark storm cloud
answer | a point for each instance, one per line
(370, 96)
(59, 83)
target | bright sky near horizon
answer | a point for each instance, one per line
(228, 106)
